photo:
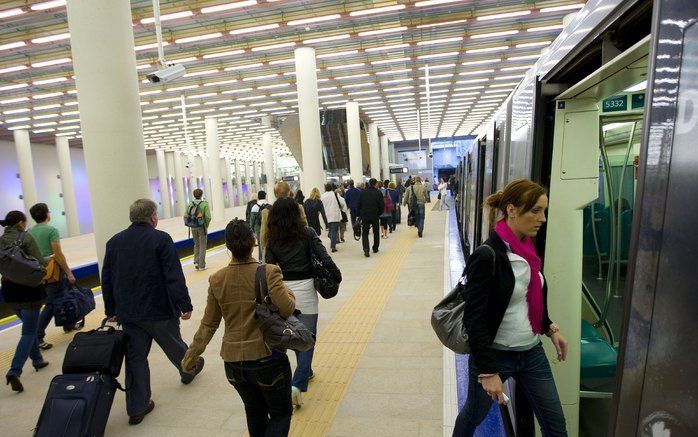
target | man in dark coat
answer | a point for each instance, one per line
(370, 208)
(351, 196)
(144, 289)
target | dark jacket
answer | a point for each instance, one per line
(19, 296)
(294, 257)
(142, 278)
(371, 204)
(487, 297)
(313, 209)
(351, 196)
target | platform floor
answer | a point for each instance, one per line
(379, 367)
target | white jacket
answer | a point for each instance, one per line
(333, 210)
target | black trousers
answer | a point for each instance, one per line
(265, 389)
(365, 225)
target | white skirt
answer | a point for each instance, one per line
(306, 296)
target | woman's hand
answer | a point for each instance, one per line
(560, 346)
(494, 387)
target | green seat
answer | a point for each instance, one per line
(598, 360)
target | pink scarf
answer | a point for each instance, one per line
(526, 250)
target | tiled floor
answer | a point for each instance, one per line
(391, 385)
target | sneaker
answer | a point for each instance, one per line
(296, 398)
(45, 346)
(188, 377)
(138, 418)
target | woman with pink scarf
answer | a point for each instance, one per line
(506, 313)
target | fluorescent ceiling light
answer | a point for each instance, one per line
(45, 39)
(11, 12)
(47, 5)
(482, 62)
(228, 6)
(515, 76)
(314, 20)
(437, 76)
(273, 46)
(12, 45)
(390, 61)
(562, 8)
(166, 17)
(468, 73)
(522, 58)
(533, 44)
(336, 54)
(353, 76)
(148, 93)
(383, 31)
(181, 88)
(201, 73)
(254, 29)
(42, 116)
(236, 91)
(48, 81)
(463, 82)
(13, 69)
(262, 77)
(198, 38)
(487, 50)
(357, 85)
(494, 34)
(15, 100)
(544, 28)
(282, 61)
(445, 23)
(150, 46)
(223, 54)
(40, 131)
(142, 66)
(220, 82)
(438, 55)
(437, 67)
(326, 39)
(405, 70)
(501, 85)
(434, 3)
(46, 96)
(243, 67)
(201, 96)
(386, 48)
(642, 86)
(377, 10)
(287, 93)
(388, 82)
(440, 41)
(339, 67)
(271, 87)
(504, 15)
(16, 111)
(523, 67)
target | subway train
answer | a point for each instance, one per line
(606, 120)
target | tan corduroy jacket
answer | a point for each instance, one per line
(231, 297)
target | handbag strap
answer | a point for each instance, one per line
(261, 288)
(336, 197)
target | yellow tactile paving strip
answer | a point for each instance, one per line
(341, 344)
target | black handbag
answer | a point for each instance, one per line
(356, 227)
(18, 266)
(344, 214)
(325, 283)
(279, 333)
(100, 350)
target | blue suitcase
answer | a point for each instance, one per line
(77, 406)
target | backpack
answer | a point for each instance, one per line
(195, 217)
(256, 216)
(18, 267)
(388, 202)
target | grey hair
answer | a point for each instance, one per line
(142, 210)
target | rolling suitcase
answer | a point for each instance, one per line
(77, 406)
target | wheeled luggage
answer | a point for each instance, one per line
(77, 406)
(73, 305)
(99, 350)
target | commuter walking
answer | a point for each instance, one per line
(351, 196)
(415, 198)
(506, 313)
(395, 197)
(261, 376)
(198, 218)
(371, 206)
(282, 190)
(386, 218)
(313, 210)
(256, 217)
(23, 300)
(400, 188)
(299, 197)
(443, 192)
(334, 206)
(48, 240)
(144, 290)
(342, 223)
(289, 245)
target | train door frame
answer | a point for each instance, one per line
(479, 190)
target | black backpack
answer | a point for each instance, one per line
(18, 267)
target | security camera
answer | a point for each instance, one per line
(167, 74)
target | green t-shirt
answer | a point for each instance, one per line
(44, 235)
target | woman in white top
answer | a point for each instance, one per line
(334, 205)
(506, 313)
(443, 189)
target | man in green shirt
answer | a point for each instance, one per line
(200, 233)
(48, 240)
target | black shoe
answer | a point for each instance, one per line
(79, 325)
(138, 418)
(367, 255)
(375, 250)
(420, 234)
(188, 377)
(334, 249)
(45, 346)
(13, 380)
(40, 366)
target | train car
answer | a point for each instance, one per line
(577, 123)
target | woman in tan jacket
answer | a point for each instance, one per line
(260, 375)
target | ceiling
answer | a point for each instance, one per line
(239, 61)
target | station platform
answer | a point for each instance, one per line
(379, 367)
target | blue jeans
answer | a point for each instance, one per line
(533, 376)
(304, 360)
(420, 217)
(334, 234)
(28, 345)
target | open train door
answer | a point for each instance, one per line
(656, 390)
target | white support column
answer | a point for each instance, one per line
(192, 174)
(229, 182)
(385, 161)
(246, 175)
(313, 174)
(205, 177)
(179, 183)
(164, 189)
(26, 168)
(70, 205)
(269, 165)
(238, 182)
(214, 169)
(356, 170)
(110, 112)
(375, 151)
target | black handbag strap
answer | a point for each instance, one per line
(261, 288)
